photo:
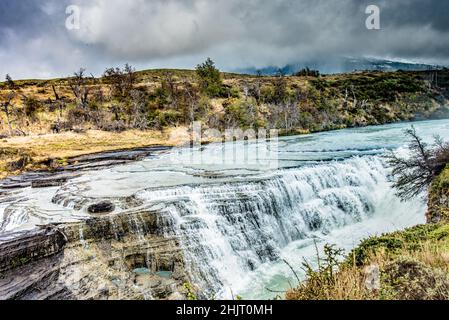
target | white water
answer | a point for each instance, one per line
(235, 234)
(237, 221)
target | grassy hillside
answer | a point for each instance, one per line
(169, 97)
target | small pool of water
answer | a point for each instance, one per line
(141, 271)
(146, 271)
(165, 274)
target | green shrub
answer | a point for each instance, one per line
(210, 80)
(392, 243)
(164, 118)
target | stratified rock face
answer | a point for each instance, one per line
(29, 247)
(110, 257)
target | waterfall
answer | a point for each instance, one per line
(228, 230)
(236, 223)
(83, 241)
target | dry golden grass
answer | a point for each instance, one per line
(347, 284)
(418, 270)
(40, 148)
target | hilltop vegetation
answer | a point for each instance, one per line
(156, 101)
(125, 99)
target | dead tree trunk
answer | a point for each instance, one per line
(59, 102)
(6, 109)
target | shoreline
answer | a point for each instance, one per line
(52, 152)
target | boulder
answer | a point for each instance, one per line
(101, 207)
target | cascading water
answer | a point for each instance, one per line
(237, 222)
(229, 231)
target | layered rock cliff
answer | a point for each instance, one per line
(110, 257)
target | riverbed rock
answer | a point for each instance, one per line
(51, 182)
(149, 281)
(102, 207)
(177, 296)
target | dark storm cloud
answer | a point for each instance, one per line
(34, 41)
(433, 13)
(236, 33)
(29, 18)
(11, 12)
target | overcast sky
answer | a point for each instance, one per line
(35, 43)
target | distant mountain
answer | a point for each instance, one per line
(343, 65)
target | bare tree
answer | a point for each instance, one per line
(31, 107)
(416, 172)
(130, 77)
(169, 84)
(191, 98)
(440, 155)
(114, 77)
(246, 90)
(280, 88)
(139, 112)
(80, 88)
(10, 82)
(291, 114)
(60, 103)
(122, 81)
(115, 109)
(255, 90)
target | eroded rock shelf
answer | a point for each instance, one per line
(111, 257)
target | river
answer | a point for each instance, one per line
(239, 209)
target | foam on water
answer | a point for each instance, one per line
(235, 234)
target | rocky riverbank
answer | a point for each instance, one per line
(73, 166)
(439, 198)
(73, 151)
(105, 257)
